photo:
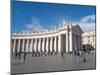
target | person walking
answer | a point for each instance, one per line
(16, 55)
(24, 56)
(78, 55)
(19, 55)
(84, 55)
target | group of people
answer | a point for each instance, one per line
(18, 55)
(78, 53)
(43, 53)
(83, 53)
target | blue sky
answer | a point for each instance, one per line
(34, 16)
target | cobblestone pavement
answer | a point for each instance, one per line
(52, 63)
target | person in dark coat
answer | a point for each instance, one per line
(16, 54)
(84, 59)
(24, 56)
(62, 53)
(78, 53)
(19, 55)
(84, 50)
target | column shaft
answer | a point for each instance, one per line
(27, 45)
(23, 45)
(14, 46)
(67, 44)
(51, 44)
(71, 47)
(35, 45)
(39, 44)
(19, 45)
(47, 44)
(31, 46)
(43, 45)
(55, 44)
(59, 43)
(75, 43)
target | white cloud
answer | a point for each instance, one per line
(34, 26)
(86, 23)
(85, 26)
(89, 18)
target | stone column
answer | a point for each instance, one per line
(39, 44)
(19, 45)
(71, 47)
(12, 43)
(74, 42)
(55, 44)
(14, 46)
(51, 41)
(31, 45)
(36, 45)
(67, 44)
(27, 45)
(43, 44)
(47, 44)
(23, 45)
(59, 43)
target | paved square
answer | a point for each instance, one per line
(52, 63)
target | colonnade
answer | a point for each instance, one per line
(49, 44)
(66, 40)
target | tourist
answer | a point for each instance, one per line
(15, 54)
(84, 59)
(24, 56)
(19, 55)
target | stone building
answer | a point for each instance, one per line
(88, 40)
(65, 38)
